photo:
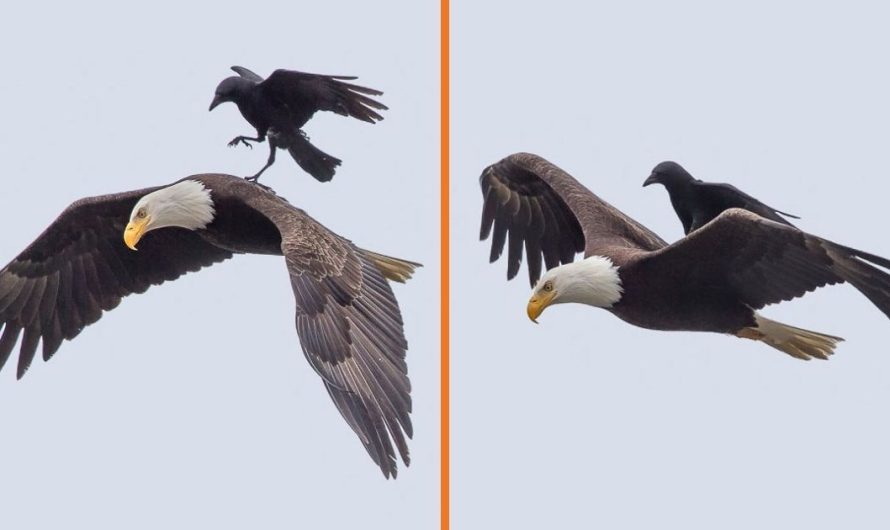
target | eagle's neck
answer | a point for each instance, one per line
(592, 281)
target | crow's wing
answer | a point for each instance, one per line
(302, 95)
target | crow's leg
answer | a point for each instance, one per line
(244, 139)
(269, 162)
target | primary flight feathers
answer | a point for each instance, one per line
(347, 317)
(282, 104)
(711, 280)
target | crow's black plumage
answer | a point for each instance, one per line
(697, 202)
(282, 104)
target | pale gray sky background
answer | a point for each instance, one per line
(587, 422)
(192, 406)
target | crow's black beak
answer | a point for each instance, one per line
(653, 179)
(216, 101)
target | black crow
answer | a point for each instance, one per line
(697, 202)
(282, 104)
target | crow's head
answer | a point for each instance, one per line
(668, 174)
(231, 89)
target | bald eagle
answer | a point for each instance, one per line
(347, 317)
(714, 279)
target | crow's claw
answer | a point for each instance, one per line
(240, 139)
(255, 179)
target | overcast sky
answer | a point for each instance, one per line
(192, 406)
(587, 422)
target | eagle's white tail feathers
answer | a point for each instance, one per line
(394, 269)
(796, 342)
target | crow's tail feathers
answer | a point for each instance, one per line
(313, 160)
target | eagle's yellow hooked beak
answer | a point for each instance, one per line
(134, 232)
(538, 303)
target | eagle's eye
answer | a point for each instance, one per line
(548, 286)
(141, 213)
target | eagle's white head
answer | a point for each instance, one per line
(592, 281)
(186, 204)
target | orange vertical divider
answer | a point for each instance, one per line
(445, 381)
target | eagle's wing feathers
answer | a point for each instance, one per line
(539, 206)
(351, 330)
(767, 262)
(80, 267)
